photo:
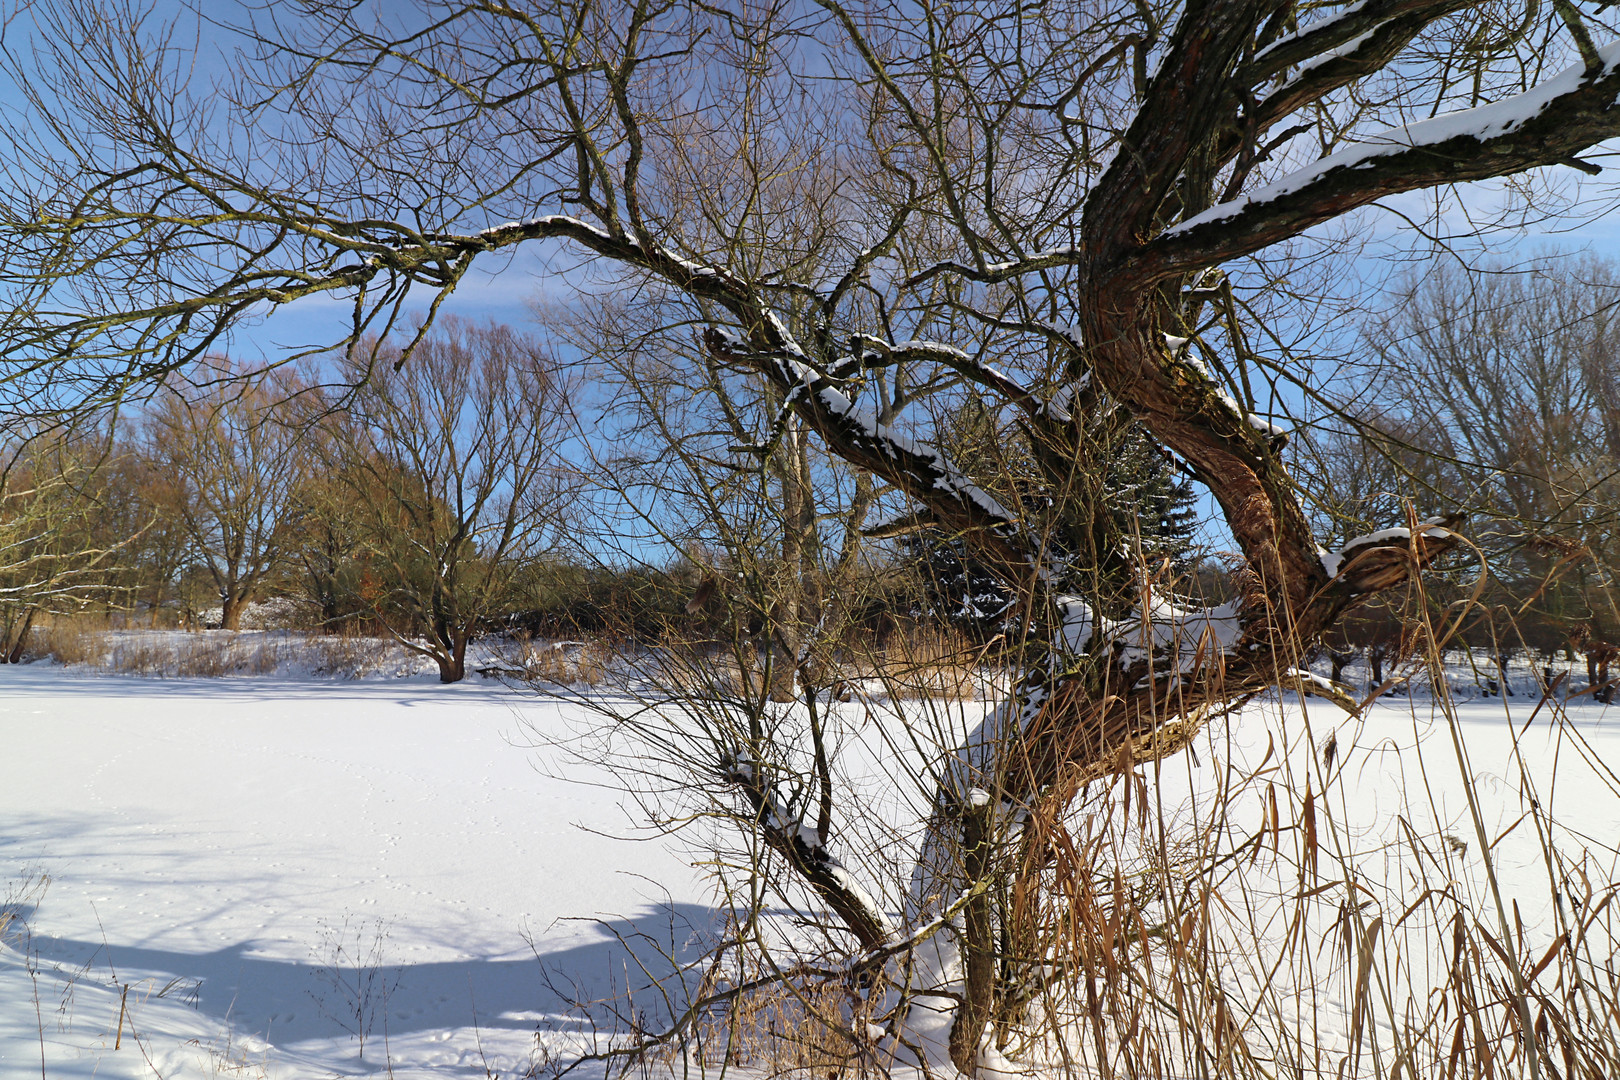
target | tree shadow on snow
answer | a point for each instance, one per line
(285, 1002)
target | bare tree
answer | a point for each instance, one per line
(57, 554)
(704, 461)
(328, 542)
(452, 462)
(222, 438)
(1505, 381)
(139, 500)
(1101, 197)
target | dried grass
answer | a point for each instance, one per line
(1249, 927)
(88, 643)
(561, 663)
(792, 1028)
(67, 641)
(931, 664)
(209, 655)
(348, 655)
(139, 657)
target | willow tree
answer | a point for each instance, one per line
(1067, 209)
(220, 440)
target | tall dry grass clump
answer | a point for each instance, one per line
(349, 654)
(559, 663)
(209, 655)
(1272, 919)
(805, 1025)
(931, 662)
(66, 641)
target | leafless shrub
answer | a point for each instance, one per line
(354, 983)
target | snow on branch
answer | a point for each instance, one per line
(1178, 639)
(548, 225)
(958, 360)
(698, 279)
(856, 433)
(1342, 33)
(1057, 407)
(1544, 125)
(784, 829)
(1308, 682)
(1366, 563)
(1002, 271)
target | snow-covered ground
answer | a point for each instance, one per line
(212, 844)
(242, 876)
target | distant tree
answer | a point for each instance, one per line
(221, 437)
(1507, 409)
(451, 462)
(57, 555)
(327, 546)
(139, 500)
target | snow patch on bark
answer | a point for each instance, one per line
(1315, 26)
(1333, 561)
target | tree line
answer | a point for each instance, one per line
(408, 497)
(434, 499)
(1493, 395)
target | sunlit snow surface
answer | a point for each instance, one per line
(220, 832)
(211, 843)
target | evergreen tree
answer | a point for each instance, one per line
(1155, 502)
(1152, 502)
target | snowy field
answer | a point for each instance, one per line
(212, 844)
(279, 875)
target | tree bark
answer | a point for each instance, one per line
(230, 610)
(19, 645)
(453, 664)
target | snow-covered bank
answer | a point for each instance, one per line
(212, 844)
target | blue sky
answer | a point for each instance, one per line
(503, 287)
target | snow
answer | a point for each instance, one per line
(922, 344)
(1347, 49)
(1397, 840)
(950, 478)
(223, 838)
(1481, 122)
(1067, 251)
(1312, 27)
(216, 848)
(1333, 561)
(1165, 626)
(1077, 623)
(1261, 424)
(494, 232)
(1311, 679)
(1058, 407)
